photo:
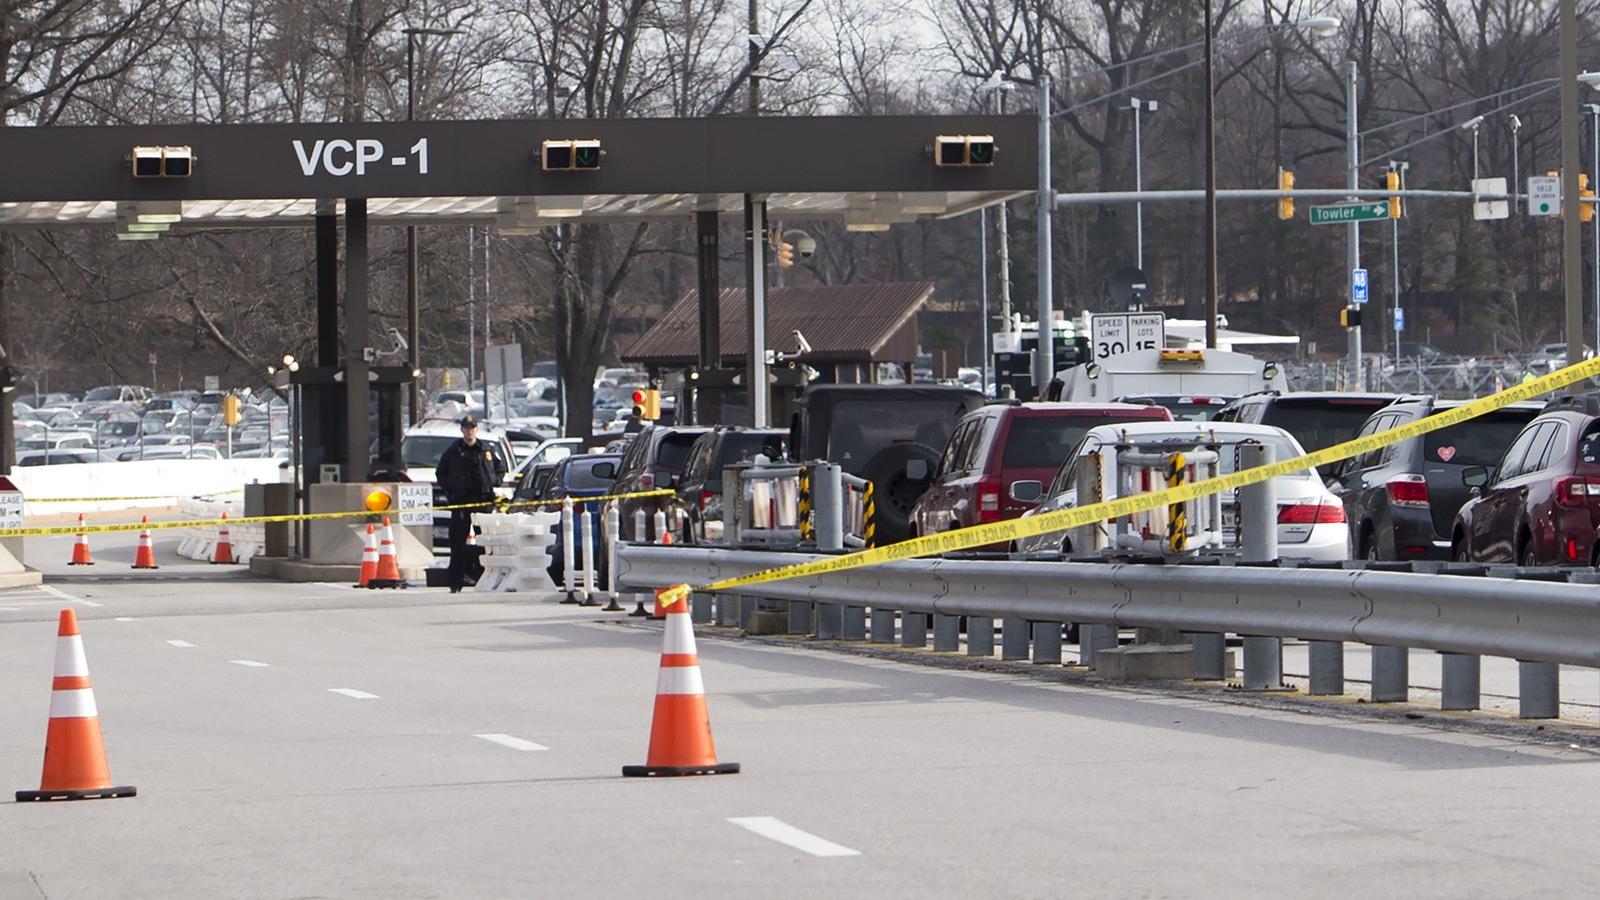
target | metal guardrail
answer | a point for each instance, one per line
(1539, 623)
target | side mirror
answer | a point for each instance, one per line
(1475, 476)
(606, 470)
(1027, 491)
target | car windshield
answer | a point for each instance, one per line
(119, 429)
(743, 446)
(581, 476)
(1320, 423)
(1477, 442)
(863, 427)
(673, 451)
(424, 450)
(1043, 442)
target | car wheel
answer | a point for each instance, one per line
(1369, 547)
(1066, 548)
(1528, 559)
(1459, 552)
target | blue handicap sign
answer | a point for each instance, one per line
(1358, 286)
(1399, 319)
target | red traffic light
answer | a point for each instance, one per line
(638, 398)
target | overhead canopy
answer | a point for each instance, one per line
(866, 171)
(850, 323)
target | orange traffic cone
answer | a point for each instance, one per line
(145, 558)
(74, 756)
(223, 554)
(369, 559)
(80, 549)
(388, 573)
(680, 732)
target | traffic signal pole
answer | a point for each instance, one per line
(1044, 364)
(1571, 238)
(1353, 230)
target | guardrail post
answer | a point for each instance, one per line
(700, 608)
(853, 623)
(980, 636)
(827, 510)
(1263, 663)
(1538, 690)
(1093, 638)
(946, 633)
(1047, 643)
(913, 629)
(1210, 656)
(1327, 668)
(799, 617)
(1390, 674)
(882, 626)
(1258, 531)
(747, 610)
(727, 610)
(1014, 637)
(1459, 685)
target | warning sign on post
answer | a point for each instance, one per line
(416, 501)
(1121, 332)
(10, 509)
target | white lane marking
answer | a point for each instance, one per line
(184, 644)
(250, 663)
(8, 609)
(515, 743)
(353, 693)
(125, 619)
(56, 592)
(784, 833)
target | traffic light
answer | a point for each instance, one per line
(1391, 180)
(963, 150)
(1285, 204)
(230, 410)
(785, 254)
(647, 404)
(568, 156)
(1350, 317)
(1585, 210)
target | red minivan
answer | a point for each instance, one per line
(1000, 457)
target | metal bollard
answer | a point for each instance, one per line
(1538, 690)
(1459, 686)
(1092, 639)
(586, 522)
(882, 626)
(853, 625)
(747, 609)
(980, 636)
(1015, 635)
(1390, 674)
(1047, 643)
(1327, 668)
(913, 629)
(830, 621)
(612, 526)
(1210, 656)
(1258, 508)
(1263, 663)
(827, 515)
(568, 576)
(946, 633)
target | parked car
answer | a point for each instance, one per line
(56, 457)
(890, 435)
(1401, 501)
(997, 462)
(1540, 503)
(1310, 520)
(699, 497)
(654, 460)
(578, 477)
(1317, 419)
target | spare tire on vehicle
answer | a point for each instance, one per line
(894, 490)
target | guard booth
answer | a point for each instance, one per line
(323, 421)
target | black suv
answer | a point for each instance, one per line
(654, 460)
(1317, 419)
(699, 495)
(1401, 501)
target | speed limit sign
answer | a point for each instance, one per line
(1118, 333)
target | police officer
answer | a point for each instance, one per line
(468, 472)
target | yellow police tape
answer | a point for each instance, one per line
(499, 506)
(1062, 520)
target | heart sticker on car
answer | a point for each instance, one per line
(1447, 453)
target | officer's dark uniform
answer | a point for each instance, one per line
(468, 474)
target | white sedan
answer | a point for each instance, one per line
(1311, 522)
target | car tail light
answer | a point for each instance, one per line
(1311, 514)
(705, 497)
(1408, 492)
(988, 499)
(1577, 491)
(1572, 548)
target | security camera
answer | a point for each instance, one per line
(1473, 122)
(801, 342)
(1515, 122)
(804, 244)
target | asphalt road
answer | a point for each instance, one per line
(316, 741)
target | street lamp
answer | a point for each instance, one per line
(1516, 163)
(1137, 105)
(413, 314)
(1473, 124)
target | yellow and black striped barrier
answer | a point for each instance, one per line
(1065, 519)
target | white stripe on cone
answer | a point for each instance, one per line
(680, 680)
(70, 658)
(73, 704)
(678, 634)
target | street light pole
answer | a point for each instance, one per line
(1044, 364)
(1138, 185)
(1353, 230)
(983, 294)
(1211, 183)
(1571, 236)
(413, 304)
(1594, 174)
